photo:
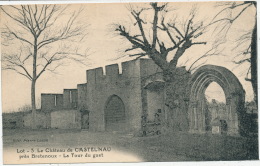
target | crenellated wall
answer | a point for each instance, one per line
(132, 87)
(70, 98)
(51, 102)
(43, 120)
(111, 98)
(128, 86)
(54, 103)
(82, 96)
(65, 119)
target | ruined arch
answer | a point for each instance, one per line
(115, 116)
(234, 93)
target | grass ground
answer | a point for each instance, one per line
(168, 147)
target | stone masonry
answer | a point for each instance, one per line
(115, 101)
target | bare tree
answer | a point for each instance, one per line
(248, 40)
(181, 38)
(45, 41)
(164, 40)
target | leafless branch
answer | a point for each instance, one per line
(8, 33)
(13, 62)
(139, 54)
(14, 69)
(196, 67)
(156, 49)
(229, 20)
(242, 61)
(39, 22)
(211, 52)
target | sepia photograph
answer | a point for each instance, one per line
(129, 82)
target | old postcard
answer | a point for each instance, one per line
(129, 82)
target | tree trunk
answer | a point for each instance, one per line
(34, 78)
(254, 62)
(33, 105)
(176, 92)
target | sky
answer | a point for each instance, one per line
(105, 47)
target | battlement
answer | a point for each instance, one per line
(128, 69)
(82, 96)
(51, 101)
(82, 86)
(95, 74)
(70, 98)
(109, 75)
(112, 70)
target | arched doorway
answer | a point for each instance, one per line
(215, 105)
(115, 118)
(234, 95)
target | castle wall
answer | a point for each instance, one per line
(127, 86)
(65, 119)
(43, 120)
(82, 96)
(70, 98)
(148, 68)
(155, 101)
(50, 102)
(130, 86)
(169, 97)
(64, 105)
(150, 72)
(142, 89)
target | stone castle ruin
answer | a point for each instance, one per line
(117, 101)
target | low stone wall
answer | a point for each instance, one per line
(41, 120)
(65, 119)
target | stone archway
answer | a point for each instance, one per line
(115, 118)
(234, 93)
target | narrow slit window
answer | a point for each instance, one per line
(70, 97)
(55, 100)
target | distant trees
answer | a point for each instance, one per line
(39, 38)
